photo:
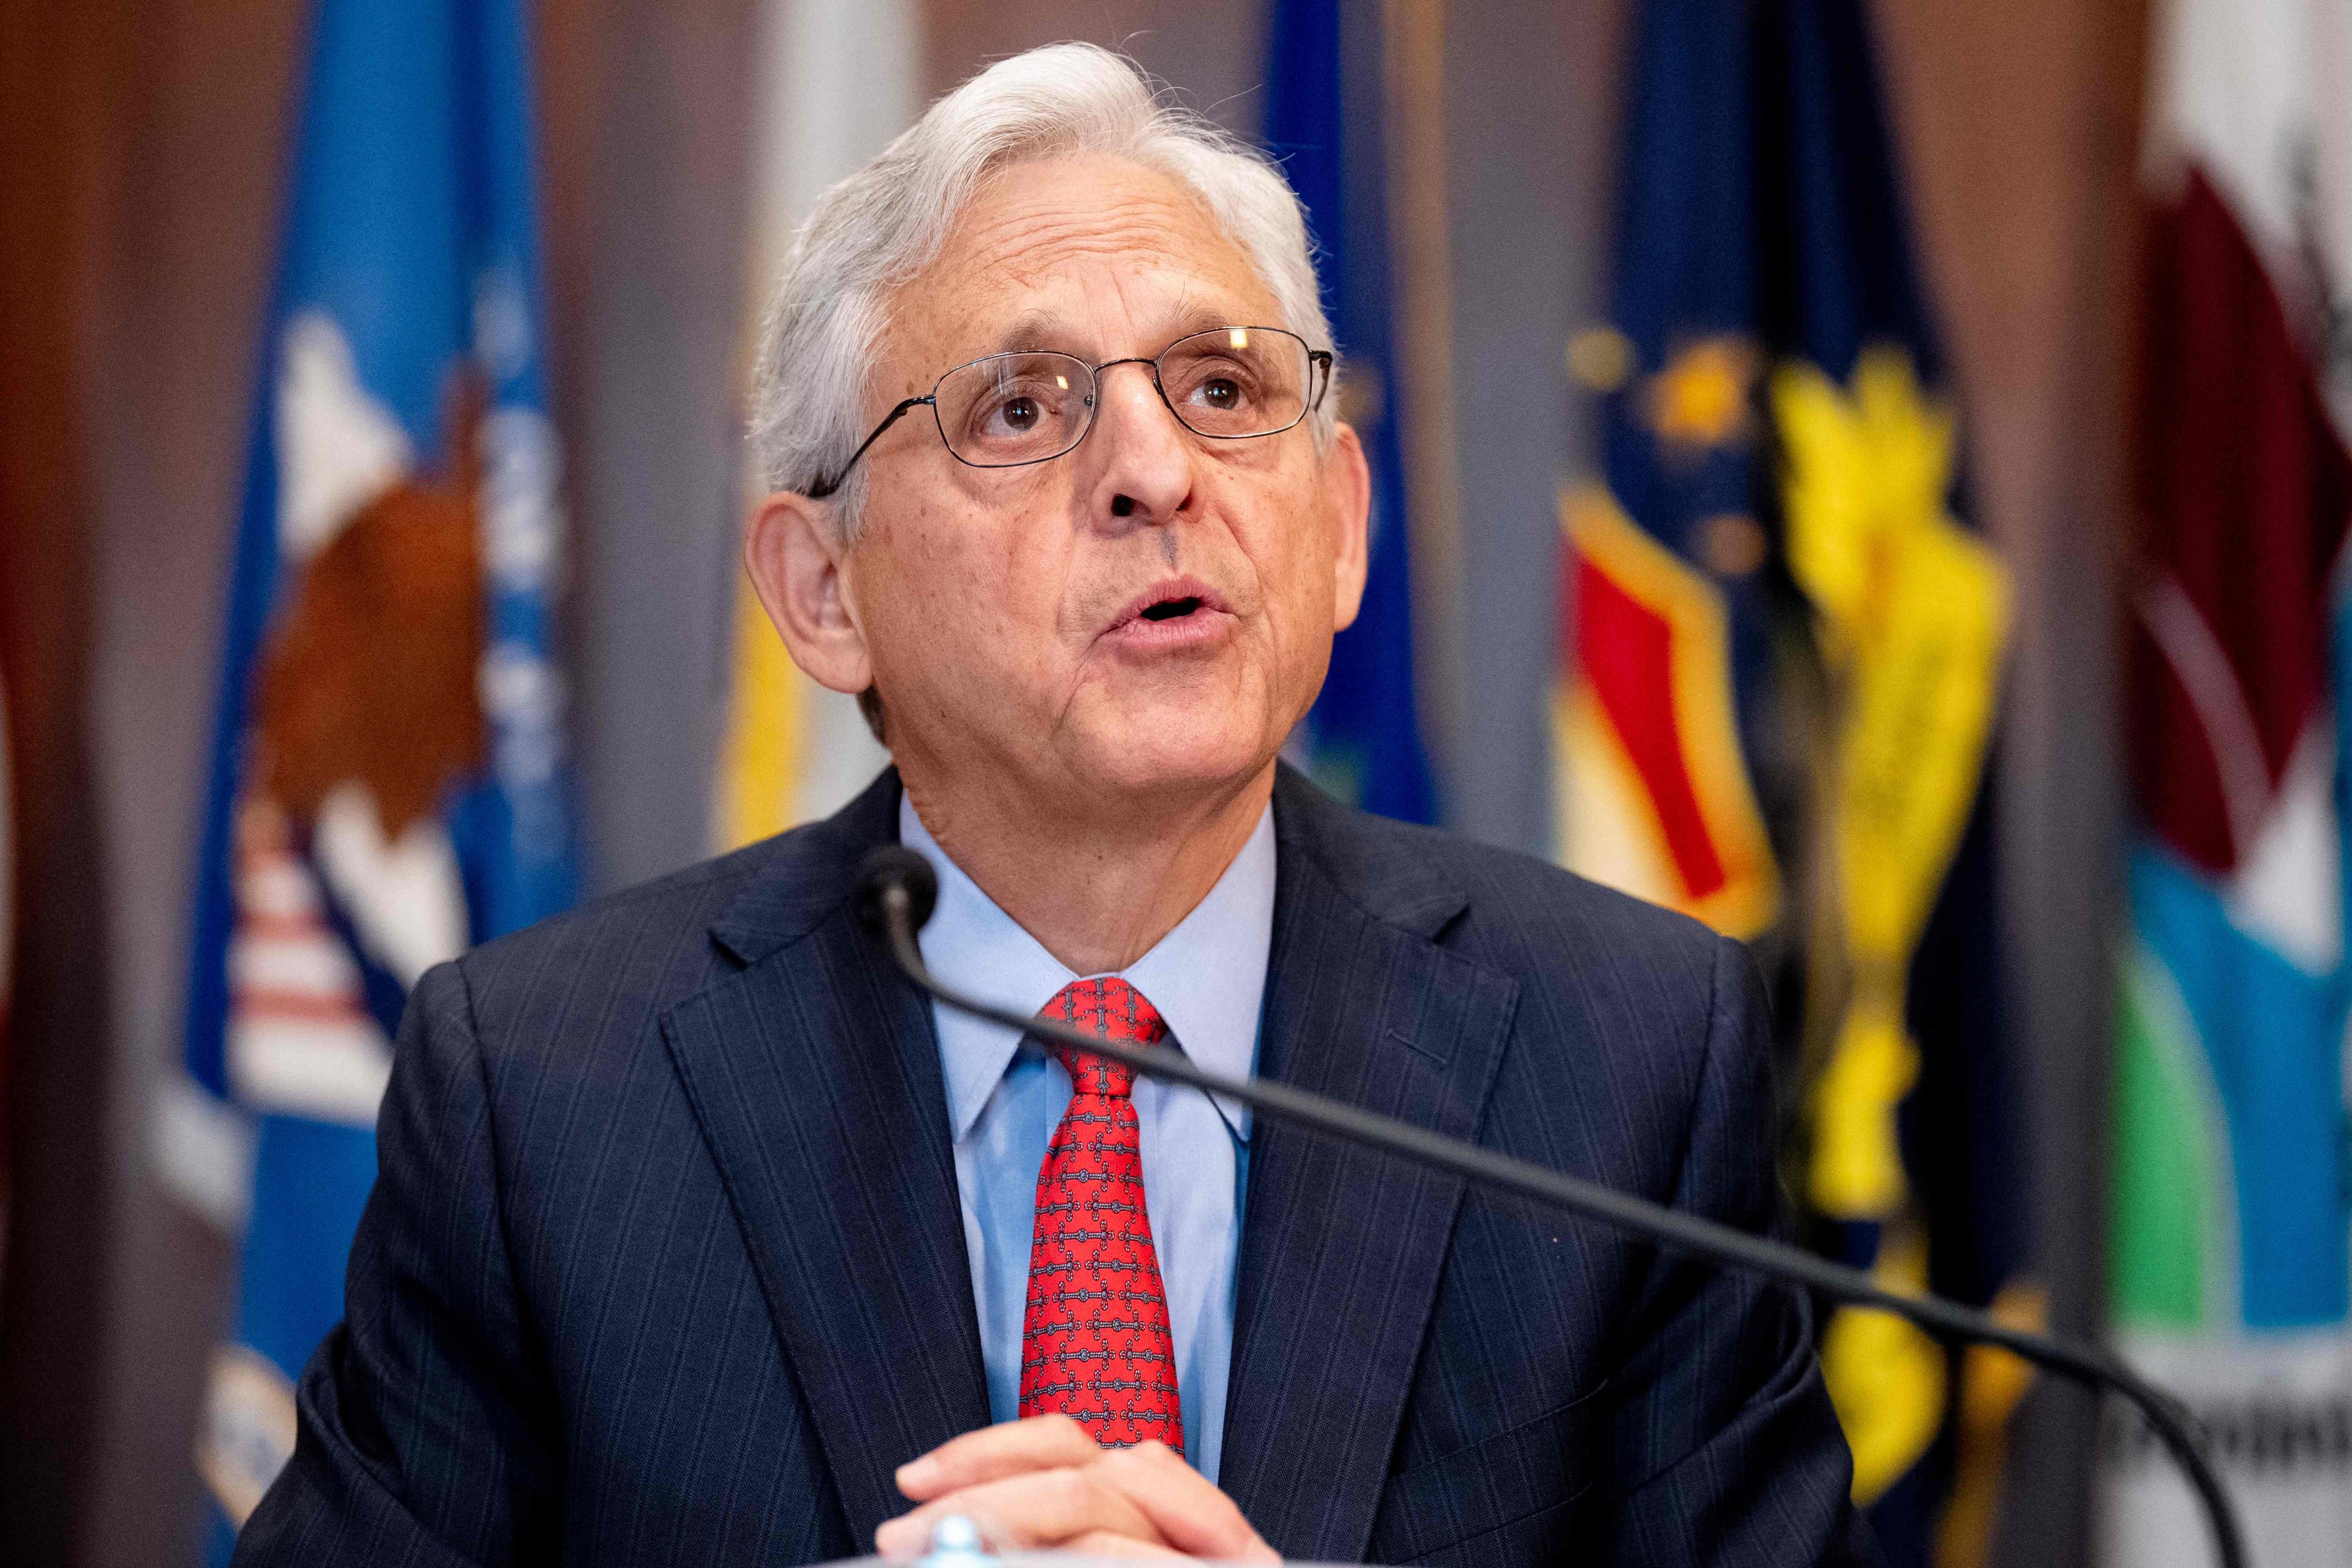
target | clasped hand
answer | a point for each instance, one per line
(1043, 1485)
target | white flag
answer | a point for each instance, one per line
(2231, 1207)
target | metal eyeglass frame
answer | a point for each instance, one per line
(1316, 358)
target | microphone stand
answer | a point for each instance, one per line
(896, 888)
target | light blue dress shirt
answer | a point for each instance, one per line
(1207, 978)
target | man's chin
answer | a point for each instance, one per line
(1148, 753)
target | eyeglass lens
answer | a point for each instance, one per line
(1014, 408)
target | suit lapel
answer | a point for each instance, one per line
(815, 1073)
(1341, 1247)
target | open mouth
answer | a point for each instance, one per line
(1177, 612)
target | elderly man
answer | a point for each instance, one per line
(701, 1237)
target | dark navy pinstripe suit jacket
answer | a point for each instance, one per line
(663, 1264)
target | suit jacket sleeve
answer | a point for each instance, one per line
(423, 1435)
(1734, 1451)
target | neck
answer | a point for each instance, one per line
(1097, 892)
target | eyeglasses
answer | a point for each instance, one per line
(1228, 383)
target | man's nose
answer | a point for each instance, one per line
(1142, 469)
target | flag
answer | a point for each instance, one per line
(835, 83)
(2230, 1200)
(1773, 595)
(388, 769)
(1362, 740)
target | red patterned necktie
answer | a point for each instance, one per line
(1094, 1343)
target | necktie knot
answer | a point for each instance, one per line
(1092, 1075)
(1110, 1008)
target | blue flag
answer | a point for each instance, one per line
(1323, 94)
(387, 773)
(1775, 572)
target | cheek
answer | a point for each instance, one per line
(913, 613)
(1297, 559)
(952, 611)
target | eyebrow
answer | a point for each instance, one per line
(1041, 331)
(1035, 332)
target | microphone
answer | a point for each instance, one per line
(897, 890)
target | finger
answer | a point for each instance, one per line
(905, 1538)
(1189, 1512)
(908, 1536)
(1033, 1511)
(1097, 1543)
(991, 1453)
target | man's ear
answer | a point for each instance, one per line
(799, 565)
(1347, 481)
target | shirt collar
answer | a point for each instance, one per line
(1206, 976)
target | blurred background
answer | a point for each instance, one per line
(1870, 475)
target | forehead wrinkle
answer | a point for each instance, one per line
(1030, 233)
(1038, 194)
(1158, 296)
(1027, 242)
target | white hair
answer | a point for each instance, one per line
(886, 223)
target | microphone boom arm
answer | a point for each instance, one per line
(897, 907)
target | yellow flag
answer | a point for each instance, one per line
(835, 83)
(1913, 612)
